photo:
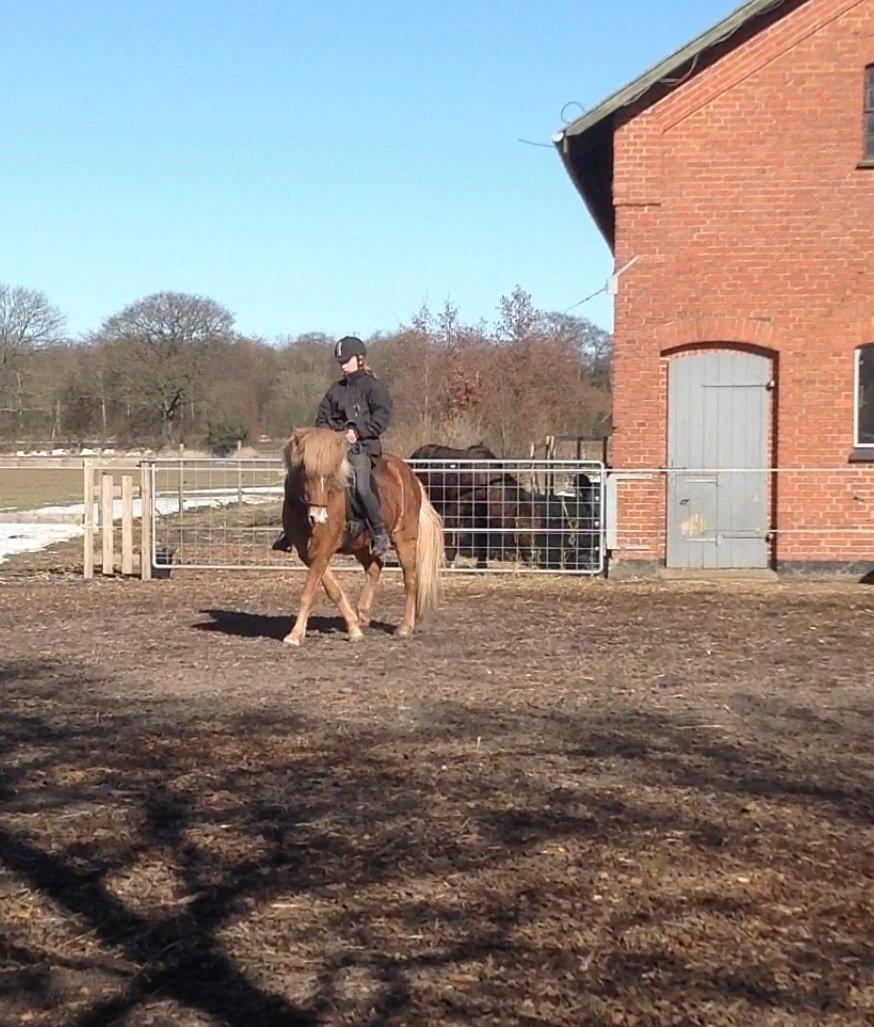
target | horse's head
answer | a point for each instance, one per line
(317, 457)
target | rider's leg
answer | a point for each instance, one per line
(361, 464)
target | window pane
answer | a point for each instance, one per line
(869, 136)
(869, 89)
(866, 396)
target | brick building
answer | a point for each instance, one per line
(734, 183)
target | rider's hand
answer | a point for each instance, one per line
(351, 436)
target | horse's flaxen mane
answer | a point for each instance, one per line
(320, 452)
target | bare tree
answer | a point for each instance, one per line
(157, 347)
(595, 345)
(27, 322)
(519, 318)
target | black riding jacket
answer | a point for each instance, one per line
(358, 401)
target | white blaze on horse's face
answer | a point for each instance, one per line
(318, 511)
(318, 515)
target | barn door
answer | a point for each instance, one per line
(718, 424)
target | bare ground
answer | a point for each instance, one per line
(564, 803)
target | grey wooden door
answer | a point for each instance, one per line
(719, 412)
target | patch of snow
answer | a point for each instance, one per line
(30, 538)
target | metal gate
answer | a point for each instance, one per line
(500, 516)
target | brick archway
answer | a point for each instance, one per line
(734, 332)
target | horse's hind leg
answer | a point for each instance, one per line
(336, 594)
(406, 551)
(372, 571)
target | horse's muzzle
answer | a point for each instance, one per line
(318, 515)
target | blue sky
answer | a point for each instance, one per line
(313, 166)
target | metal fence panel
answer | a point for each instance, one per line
(500, 516)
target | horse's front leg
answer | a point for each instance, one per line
(317, 566)
(337, 596)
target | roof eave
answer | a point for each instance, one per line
(586, 144)
(636, 90)
(587, 166)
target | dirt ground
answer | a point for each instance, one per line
(564, 803)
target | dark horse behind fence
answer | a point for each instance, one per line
(458, 477)
(488, 511)
(314, 518)
(451, 486)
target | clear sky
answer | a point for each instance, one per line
(326, 165)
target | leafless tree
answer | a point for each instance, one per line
(27, 322)
(157, 347)
(171, 367)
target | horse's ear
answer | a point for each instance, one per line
(292, 449)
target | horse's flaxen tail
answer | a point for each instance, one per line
(429, 558)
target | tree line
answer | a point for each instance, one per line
(172, 368)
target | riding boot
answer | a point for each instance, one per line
(381, 542)
(282, 544)
(360, 460)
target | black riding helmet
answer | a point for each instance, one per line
(349, 346)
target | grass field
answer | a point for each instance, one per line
(28, 488)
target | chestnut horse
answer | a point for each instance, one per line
(314, 518)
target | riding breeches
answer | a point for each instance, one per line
(364, 487)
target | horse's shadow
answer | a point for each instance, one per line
(259, 625)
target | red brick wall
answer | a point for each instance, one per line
(741, 195)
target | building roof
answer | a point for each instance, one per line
(586, 144)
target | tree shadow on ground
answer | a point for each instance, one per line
(274, 871)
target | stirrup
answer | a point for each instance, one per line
(380, 545)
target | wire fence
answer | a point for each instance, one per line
(523, 516)
(535, 516)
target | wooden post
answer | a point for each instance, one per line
(106, 522)
(88, 543)
(127, 524)
(146, 522)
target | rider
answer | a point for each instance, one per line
(359, 406)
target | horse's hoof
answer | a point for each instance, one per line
(403, 632)
(359, 637)
(289, 640)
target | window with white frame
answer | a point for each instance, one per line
(868, 126)
(865, 396)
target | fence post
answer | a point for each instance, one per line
(127, 524)
(106, 487)
(145, 522)
(88, 497)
